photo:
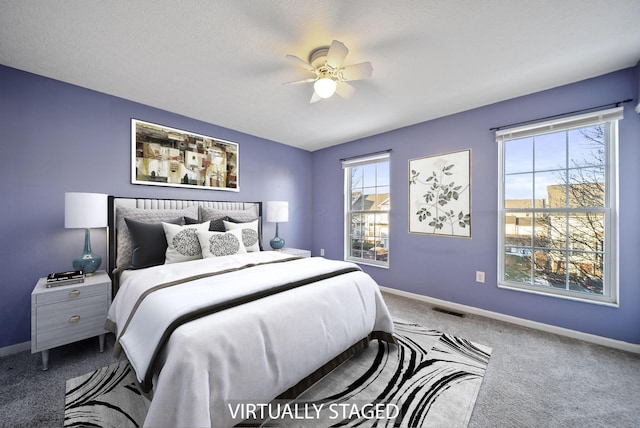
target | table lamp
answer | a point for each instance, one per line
(85, 211)
(277, 212)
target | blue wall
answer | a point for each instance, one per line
(444, 268)
(58, 138)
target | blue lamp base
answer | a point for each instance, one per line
(88, 262)
(277, 243)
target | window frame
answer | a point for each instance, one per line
(609, 118)
(347, 164)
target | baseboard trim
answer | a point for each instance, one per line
(14, 349)
(592, 338)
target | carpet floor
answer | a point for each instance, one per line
(535, 379)
(429, 379)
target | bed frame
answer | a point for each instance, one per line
(115, 202)
(161, 204)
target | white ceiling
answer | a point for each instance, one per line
(223, 61)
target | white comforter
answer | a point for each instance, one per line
(250, 353)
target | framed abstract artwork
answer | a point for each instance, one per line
(440, 194)
(163, 156)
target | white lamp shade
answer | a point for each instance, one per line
(325, 87)
(85, 210)
(277, 211)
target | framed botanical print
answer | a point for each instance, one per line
(440, 194)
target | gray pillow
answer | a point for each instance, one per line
(125, 248)
(214, 225)
(238, 215)
(148, 241)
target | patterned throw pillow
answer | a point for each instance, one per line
(182, 242)
(218, 244)
(250, 235)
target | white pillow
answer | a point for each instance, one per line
(217, 244)
(250, 235)
(182, 242)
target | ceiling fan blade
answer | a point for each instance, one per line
(357, 71)
(295, 82)
(314, 98)
(337, 53)
(301, 62)
(345, 90)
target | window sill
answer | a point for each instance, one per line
(560, 294)
(368, 263)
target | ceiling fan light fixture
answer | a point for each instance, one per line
(326, 63)
(325, 87)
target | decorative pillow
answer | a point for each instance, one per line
(241, 215)
(215, 225)
(149, 242)
(250, 235)
(144, 215)
(182, 242)
(217, 244)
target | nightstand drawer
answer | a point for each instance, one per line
(69, 321)
(71, 292)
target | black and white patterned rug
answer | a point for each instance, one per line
(430, 379)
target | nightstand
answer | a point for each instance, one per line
(296, 252)
(68, 313)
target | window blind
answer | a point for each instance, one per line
(561, 124)
(365, 159)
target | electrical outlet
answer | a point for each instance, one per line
(321, 252)
(479, 276)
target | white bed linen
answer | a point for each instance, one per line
(254, 352)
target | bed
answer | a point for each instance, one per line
(234, 323)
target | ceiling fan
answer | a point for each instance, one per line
(330, 76)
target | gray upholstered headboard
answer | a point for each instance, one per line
(163, 204)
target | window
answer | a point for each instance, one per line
(367, 205)
(558, 207)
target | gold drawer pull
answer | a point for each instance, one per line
(74, 293)
(74, 319)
